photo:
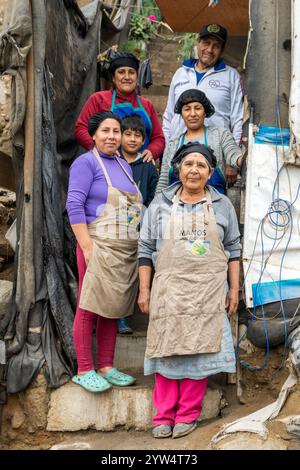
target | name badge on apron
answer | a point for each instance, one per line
(193, 229)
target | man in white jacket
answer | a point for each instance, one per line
(209, 73)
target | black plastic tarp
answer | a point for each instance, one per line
(66, 42)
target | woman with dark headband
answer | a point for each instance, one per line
(123, 100)
(194, 106)
(104, 207)
(190, 236)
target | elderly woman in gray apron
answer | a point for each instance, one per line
(190, 234)
(123, 100)
(104, 207)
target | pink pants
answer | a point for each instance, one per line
(177, 401)
(106, 331)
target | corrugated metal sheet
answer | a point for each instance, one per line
(188, 16)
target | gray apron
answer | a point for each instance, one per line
(110, 284)
(188, 293)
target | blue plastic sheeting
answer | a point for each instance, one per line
(272, 135)
(267, 292)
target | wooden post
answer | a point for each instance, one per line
(26, 277)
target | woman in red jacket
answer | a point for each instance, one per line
(123, 100)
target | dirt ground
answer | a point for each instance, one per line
(259, 390)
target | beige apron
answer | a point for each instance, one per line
(110, 283)
(188, 293)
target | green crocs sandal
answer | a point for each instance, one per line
(115, 377)
(92, 382)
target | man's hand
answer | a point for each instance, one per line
(144, 300)
(232, 301)
(231, 175)
(147, 156)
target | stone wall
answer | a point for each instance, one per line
(3, 6)
(5, 92)
(6, 178)
(25, 418)
(5, 107)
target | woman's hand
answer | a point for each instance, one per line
(87, 252)
(232, 301)
(144, 300)
(147, 156)
(240, 161)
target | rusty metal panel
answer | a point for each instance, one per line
(190, 15)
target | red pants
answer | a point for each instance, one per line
(106, 331)
(177, 401)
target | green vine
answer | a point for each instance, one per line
(142, 28)
(188, 43)
(135, 47)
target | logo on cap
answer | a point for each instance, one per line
(213, 28)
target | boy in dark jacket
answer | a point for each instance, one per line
(144, 173)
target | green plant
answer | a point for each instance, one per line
(141, 28)
(187, 46)
(149, 7)
(135, 47)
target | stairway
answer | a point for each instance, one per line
(71, 408)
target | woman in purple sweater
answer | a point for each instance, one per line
(104, 208)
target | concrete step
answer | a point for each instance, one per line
(159, 102)
(164, 73)
(130, 351)
(172, 43)
(155, 90)
(165, 59)
(72, 408)
(164, 43)
(158, 99)
(161, 80)
(160, 52)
